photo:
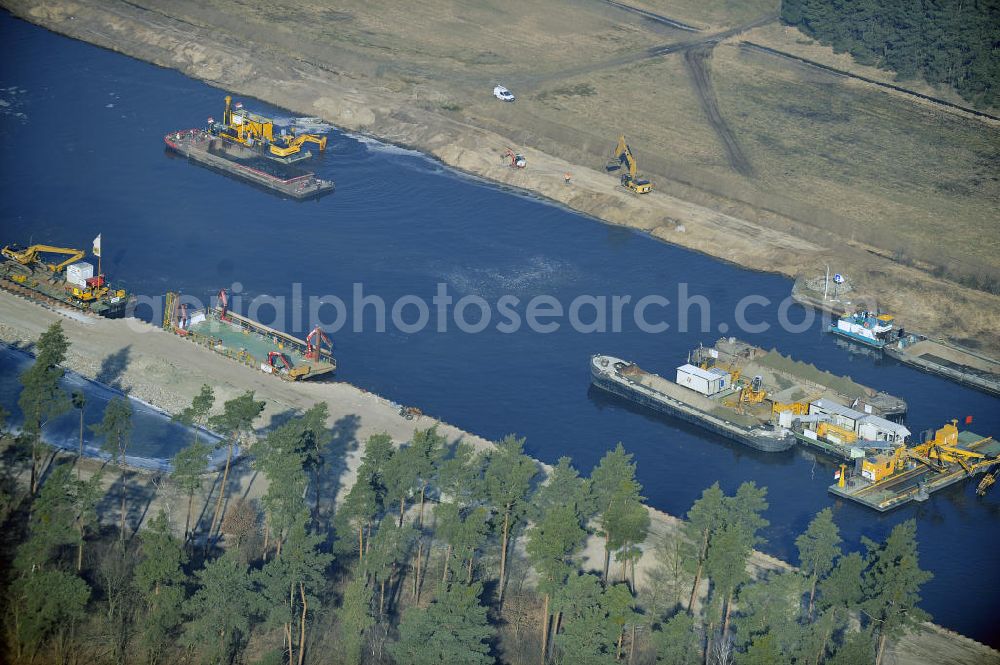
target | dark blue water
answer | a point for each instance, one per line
(156, 437)
(85, 155)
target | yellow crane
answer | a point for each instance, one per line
(623, 156)
(936, 454)
(250, 129)
(31, 255)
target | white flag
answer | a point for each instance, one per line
(97, 245)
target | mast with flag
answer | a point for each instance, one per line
(97, 252)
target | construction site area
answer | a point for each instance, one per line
(71, 282)
(761, 147)
(912, 473)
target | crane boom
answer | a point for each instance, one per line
(30, 255)
(250, 129)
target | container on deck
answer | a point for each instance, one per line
(78, 273)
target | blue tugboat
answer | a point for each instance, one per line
(869, 328)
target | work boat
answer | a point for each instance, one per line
(869, 328)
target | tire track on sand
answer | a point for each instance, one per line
(696, 61)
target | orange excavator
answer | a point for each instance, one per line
(514, 160)
(273, 357)
(315, 342)
(223, 304)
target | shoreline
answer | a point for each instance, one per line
(359, 104)
(504, 179)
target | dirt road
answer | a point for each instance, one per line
(695, 59)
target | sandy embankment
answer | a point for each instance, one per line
(328, 80)
(168, 371)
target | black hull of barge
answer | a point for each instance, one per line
(763, 444)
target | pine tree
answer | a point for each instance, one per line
(856, 650)
(564, 486)
(452, 629)
(280, 459)
(189, 464)
(314, 440)
(703, 520)
(677, 642)
(621, 612)
(46, 606)
(770, 606)
(79, 401)
(427, 447)
(400, 480)
(116, 428)
(235, 424)
(51, 524)
(290, 583)
(162, 557)
(838, 594)
(463, 531)
(159, 578)
(355, 619)
(42, 399)
(763, 651)
(196, 415)
(507, 478)
(390, 546)
(818, 547)
(221, 609)
(588, 635)
(892, 582)
(552, 542)
(618, 497)
(353, 520)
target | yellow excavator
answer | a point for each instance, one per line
(30, 256)
(623, 157)
(936, 454)
(253, 130)
(753, 393)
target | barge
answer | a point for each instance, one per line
(629, 381)
(831, 414)
(951, 361)
(249, 342)
(912, 473)
(248, 164)
(70, 284)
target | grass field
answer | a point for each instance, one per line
(901, 176)
(708, 14)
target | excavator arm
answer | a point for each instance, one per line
(31, 255)
(623, 156)
(294, 144)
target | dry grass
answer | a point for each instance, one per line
(790, 40)
(901, 176)
(709, 14)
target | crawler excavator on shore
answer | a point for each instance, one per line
(623, 157)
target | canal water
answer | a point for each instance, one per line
(82, 130)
